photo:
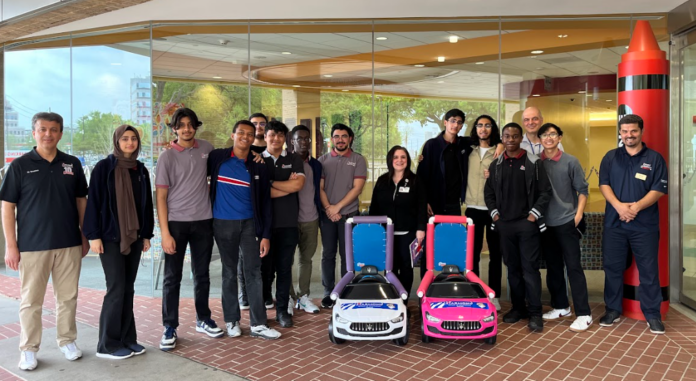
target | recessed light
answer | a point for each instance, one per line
(285, 53)
(453, 39)
(295, 85)
(440, 81)
(582, 92)
(328, 75)
(380, 38)
(115, 64)
(562, 35)
(216, 77)
(345, 90)
(440, 59)
(626, 46)
(535, 95)
(419, 65)
(480, 63)
(608, 100)
(537, 51)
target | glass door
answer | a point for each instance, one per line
(688, 171)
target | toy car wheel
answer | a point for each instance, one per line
(490, 340)
(333, 338)
(404, 340)
(424, 337)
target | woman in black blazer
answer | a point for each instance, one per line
(399, 195)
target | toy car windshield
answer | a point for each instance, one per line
(370, 291)
(455, 290)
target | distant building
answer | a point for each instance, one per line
(141, 101)
(12, 123)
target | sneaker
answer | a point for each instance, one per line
(291, 306)
(327, 302)
(536, 323)
(285, 320)
(581, 323)
(168, 341)
(496, 303)
(120, 354)
(609, 319)
(233, 329)
(136, 348)
(556, 313)
(656, 326)
(268, 303)
(27, 360)
(264, 332)
(243, 305)
(71, 351)
(305, 303)
(514, 316)
(209, 327)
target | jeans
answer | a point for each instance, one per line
(116, 322)
(482, 222)
(283, 244)
(235, 237)
(199, 234)
(332, 234)
(519, 241)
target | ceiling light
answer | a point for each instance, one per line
(295, 85)
(440, 59)
(562, 35)
(381, 38)
(419, 65)
(608, 100)
(582, 92)
(626, 46)
(453, 39)
(440, 81)
(217, 77)
(537, 51)
(328, 75)
(480, 63)
(285, 53)
(536, 95)
(115, 64)
(345, 90)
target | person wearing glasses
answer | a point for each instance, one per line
(484, 137)
(308, 218)
(532, 121)
(259, 121)
(342, 181)
(561, 240)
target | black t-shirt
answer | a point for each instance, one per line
(453, 176)
(257, 149)
(514, 206)
(286, 209)
(45, 194)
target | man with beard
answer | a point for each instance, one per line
(259, 121)
(632, 178)
(342, 181)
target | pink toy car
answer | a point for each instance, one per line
(455, 303)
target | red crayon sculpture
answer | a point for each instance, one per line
(644, 91)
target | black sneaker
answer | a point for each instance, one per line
(284, 319)
(536, 323)
(268, 303)
(168, 341)
(610, 318)
(514, 316)
(656, 326)
(327, 302)
(243, 305)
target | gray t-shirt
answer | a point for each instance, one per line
(183, 171)
(338, 173)
(308, 209)
(568, 181)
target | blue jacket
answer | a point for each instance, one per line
(316, 172)
(101, 215)
(260, 188)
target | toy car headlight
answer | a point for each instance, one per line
(341, 320)
(431, 318)
(489, 319)
(398, 319)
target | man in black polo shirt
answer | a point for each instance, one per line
(632, 178)
(47, 189)
(287, 178)
(517, 193)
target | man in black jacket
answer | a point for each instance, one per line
(517, 193)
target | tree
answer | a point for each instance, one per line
(94, 133)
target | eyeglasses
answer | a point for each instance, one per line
(456, 121)
(551, 135)
(308, 140)
(487, 126)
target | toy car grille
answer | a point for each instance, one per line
(461, 325)
(369, 327)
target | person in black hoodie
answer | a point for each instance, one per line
(119, 221)
(517, 193)
(399, 195)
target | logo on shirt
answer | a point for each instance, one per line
(204, 156)
(352, 163)
(286, 166)
(521, 167)
(33, 171)
(68, 169)
(646, 166)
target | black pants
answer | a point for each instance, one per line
(199, 234)
(616, 243)
(561, 245)
(267, 275)
(519, 241)
(449, 210)
(116, 322)
(482, 222)
(332, 234)
(402, 259)
(235, 237)
(283, 244)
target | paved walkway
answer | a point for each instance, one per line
(627, 351)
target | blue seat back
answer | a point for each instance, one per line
(369, 246)
(450, 246)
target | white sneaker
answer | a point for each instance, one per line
(27, 360)
(581, 324)
(291, 306)
(264, 332)
(71, 351)
(555, 314)
(233, 329)
(305, 303)
(496, 303)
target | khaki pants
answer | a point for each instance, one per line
(309, 232)
(35, 267)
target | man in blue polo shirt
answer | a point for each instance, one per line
(632, 178)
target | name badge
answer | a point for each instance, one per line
(404, 189)
(641, 176)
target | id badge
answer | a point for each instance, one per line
(641, 176)
(404, 189)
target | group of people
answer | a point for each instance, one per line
(266, 195)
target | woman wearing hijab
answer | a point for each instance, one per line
(118, 222)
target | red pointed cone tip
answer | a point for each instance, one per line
(643, 38)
